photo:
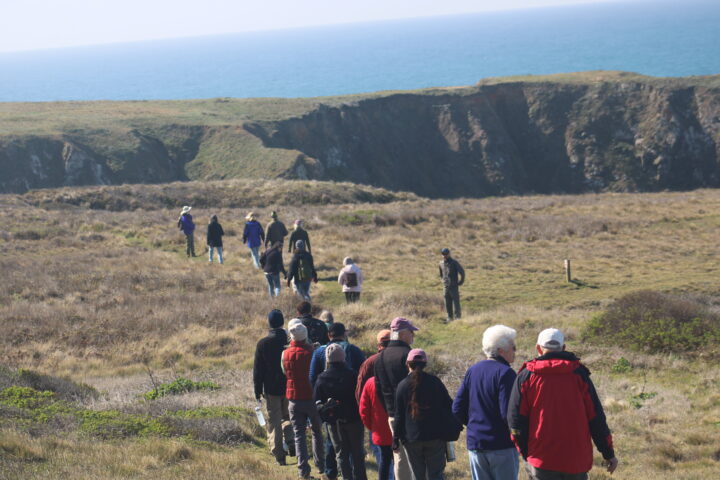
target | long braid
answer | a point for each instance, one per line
(416, 410)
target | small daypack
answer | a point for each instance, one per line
(351, 279)
(304, 271)
(329, 411)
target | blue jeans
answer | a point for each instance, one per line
(255, 254)
(303, 289)
(219, 250)
(494, 464)
(273, 280)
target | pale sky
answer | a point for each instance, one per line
(39, 24)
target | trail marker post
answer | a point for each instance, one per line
(568, 275)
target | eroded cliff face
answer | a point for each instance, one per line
(514, 138)
(509, 138)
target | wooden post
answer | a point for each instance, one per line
(568, 275)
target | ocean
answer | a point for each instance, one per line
(661, 38)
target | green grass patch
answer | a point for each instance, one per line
(179, 386)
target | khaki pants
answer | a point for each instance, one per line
(278, 425)
(402, 465)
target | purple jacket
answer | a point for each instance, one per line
(253, 234)
(186, 224)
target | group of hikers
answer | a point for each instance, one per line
(310, 374)
(301, 271)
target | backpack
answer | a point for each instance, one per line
(304, 271)
(351, 279)
(329, 411)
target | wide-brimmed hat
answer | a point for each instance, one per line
(185, 210)
(250, 216)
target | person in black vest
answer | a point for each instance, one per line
(302, 271)
(214, 239)
(269, 382)
(271, 262)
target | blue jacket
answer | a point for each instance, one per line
(354, 357)
(186, 224)
(253, 234)
(481, 403)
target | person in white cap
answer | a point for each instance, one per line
(185, 223)
(554, 412)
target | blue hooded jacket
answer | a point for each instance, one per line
(253, 234)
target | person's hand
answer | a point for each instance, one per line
(395, 445)
(611, 464)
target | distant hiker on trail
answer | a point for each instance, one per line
(450, 270)
(253, 236)
(272, 264)
(422, 412)
(299, 233)
(270, 381)
(346, 432)
(351, 279)
(185, 223)
(296, 366)
(302, 270)
(275, 231)
(390, 369)
(481, 404)
(317, 330)
(214, 239)
(553, 413)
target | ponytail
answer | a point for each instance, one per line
(416, 410)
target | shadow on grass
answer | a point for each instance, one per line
(582, 284)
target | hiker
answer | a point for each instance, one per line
(253, 236)
(317, 330)
(481, 404)
(375, 419)
(450, 269)
(296, 366)
(337, 382)
(390, 370)
(367, 372)
(270, 381)
(271, 262)
(299, 233)
(327, 317)
(354, 357)
(275, 231)
(351, 279)
(554, 412)
(422, 407)
(214, 239)
(185, 223)
(302, 271)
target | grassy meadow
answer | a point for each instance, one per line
(100, 304)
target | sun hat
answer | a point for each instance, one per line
(551, 338)
(401, 323)
(250, 216)
(185, 210)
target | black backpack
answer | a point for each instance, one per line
(329, 411)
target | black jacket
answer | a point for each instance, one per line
(338, 382)
(214, 234)
(267, 372)
(275, 232)
(317, 330)
(433, 398)
(390, 370)
(450, 269)
(294, 263)
(272, 262)
(299, 234)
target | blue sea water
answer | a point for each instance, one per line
(662, 38)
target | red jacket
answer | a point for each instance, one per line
(296, 363)
(374, 416)
(554, 412)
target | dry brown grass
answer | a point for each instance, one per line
(95, 295)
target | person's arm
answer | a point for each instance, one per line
(599, 430)
(263, 259)
(245, 234)
(267, 238)
(341, 277)
(312, 266)
(440, 270)
(365, 406)
(282, 362)
(292, 270)
(262, 233)
(307, 242)
(462, 400)
(284, 230)
(358, 358)
(316, 365)
(319, 393)
(258, 373)
(208, 235)
(399, 419)
(461, 271)
(292, 241)
(507, 380)
(518, 414)
(280, 261)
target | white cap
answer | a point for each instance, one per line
(298, 332)
(551, 339)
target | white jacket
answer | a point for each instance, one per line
(343, 278)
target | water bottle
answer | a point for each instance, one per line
(450, 451)
(259, 415)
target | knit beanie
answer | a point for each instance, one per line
(275, 319)
(298, 332)
(334, 353)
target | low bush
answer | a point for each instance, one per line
(179, 386)
(657, 322)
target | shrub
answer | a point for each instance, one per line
(623, 365)
(656, 322)
(179, 386)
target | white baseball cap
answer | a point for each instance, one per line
(551, 338)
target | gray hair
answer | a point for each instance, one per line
(327, 316)
(348, 261)
(395, 334)
(497, 337)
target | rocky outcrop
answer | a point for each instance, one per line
(505, 138)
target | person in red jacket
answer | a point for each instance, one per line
(375, 419)
(553, 413)
(296, 366)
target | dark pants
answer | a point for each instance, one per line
(190, 245)
(427, 459)
(347, 439)
(534, 473)
(331, 466)
(352, 297)
(385, 464)
(300, 412)
(452, 299)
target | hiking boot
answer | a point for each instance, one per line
(281, 462)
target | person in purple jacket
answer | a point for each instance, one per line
(481, 403)
(186, 224)
(253, 236)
